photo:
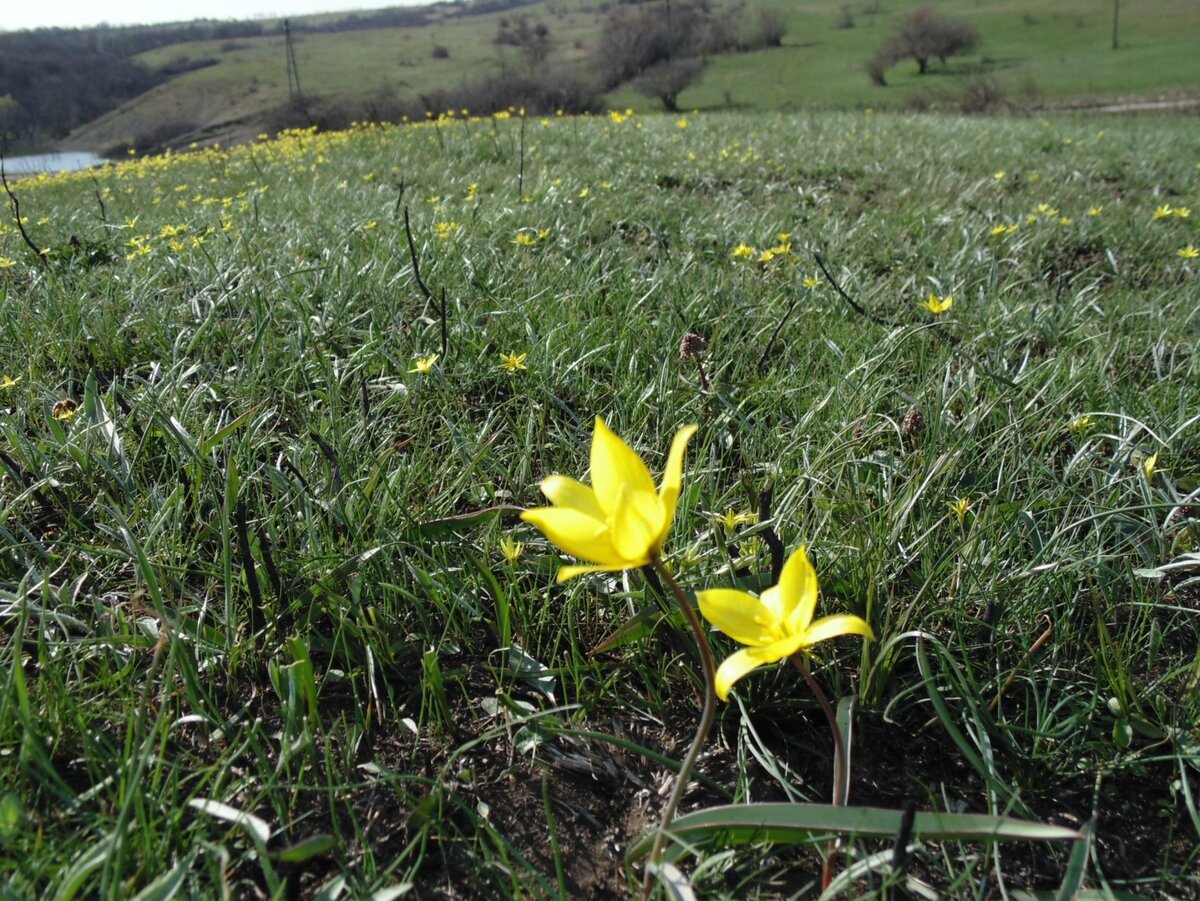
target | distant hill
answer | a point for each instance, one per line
(209, 81)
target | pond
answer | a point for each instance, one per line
(51, 162)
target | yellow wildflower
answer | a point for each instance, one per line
(620, 522)
(65, 410)
(937, 305)
(959, 507)
(513, 362)
(776, 624)
(511, 549)
(424, 365)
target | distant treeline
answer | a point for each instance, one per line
(53, 80)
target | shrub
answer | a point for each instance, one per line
(441, 52)
(981, 95)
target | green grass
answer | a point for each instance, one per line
(232, 585)
(1033, 56)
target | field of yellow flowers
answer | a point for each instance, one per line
(399, 510)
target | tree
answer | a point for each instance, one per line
(665, 80)
(925, 34)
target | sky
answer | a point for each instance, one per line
(17, 14)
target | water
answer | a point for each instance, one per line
(51, 162)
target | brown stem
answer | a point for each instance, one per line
(707, 716)
(839, 759)
(704, 383)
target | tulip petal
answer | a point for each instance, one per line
(735, 666)
(798, 591)
(614, 464)
(576, 533)
(635, 525)
(739, 615)
(839, 624)
(563, 491)
(570, 572)
(672, 481)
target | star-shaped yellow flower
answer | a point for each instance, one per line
(621, 521)
(424, 365)
(8, 382)
(776, 624)
(513, 362)
(937, 305)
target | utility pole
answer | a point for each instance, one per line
(293, 73)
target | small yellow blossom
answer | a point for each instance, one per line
(424, 365)
(1000, 230)
(1182, 212)
(1080, 423)
(8, 382)
(1149, 466)
(1188, 253)
(731, 519)
(937, 305)
(511, 549)
(1164, 211)
(959, 508)
(811, 281)
(583, 192)
(682, 123)
(524, 239)
(999, 175)
(743, 250)
(513, 362)
(1064, 220)
(445, 230)
(6, 263)
(1095, 211)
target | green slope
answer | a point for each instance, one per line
(1031, 55)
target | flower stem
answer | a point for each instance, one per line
(839, 759)
(707, 716)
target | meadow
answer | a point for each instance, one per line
(272, 626)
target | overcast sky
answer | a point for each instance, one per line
(76, 13)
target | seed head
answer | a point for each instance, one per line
(691, 345)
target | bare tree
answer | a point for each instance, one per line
(925, 34)
(667, 79)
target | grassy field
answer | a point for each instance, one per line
(1031, 54)
(271, 624)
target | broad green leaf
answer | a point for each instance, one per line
(741, 824)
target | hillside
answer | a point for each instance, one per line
(1029, 56)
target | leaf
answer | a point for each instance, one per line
(258, 828)
(168, 884)
(306, 848)
(451, 526)
(532, 671)
(637, 626)
(741, 824)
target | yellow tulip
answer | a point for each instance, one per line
(937, 305)
(775, 625)
(621, 521)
